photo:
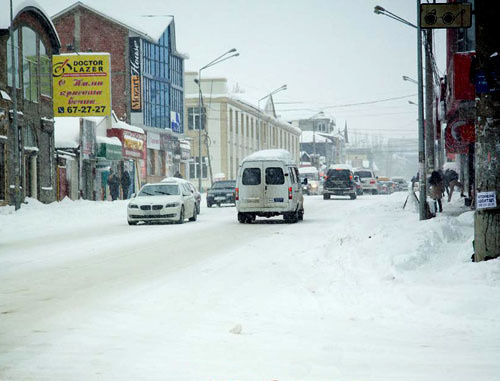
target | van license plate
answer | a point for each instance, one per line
(278, 199)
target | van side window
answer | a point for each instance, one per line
(293, 179)
(251, 176)
(274, 176)
(296, 171)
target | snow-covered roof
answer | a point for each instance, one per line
(113, 141)
(125, 126)
(271, 154)
(150, 28)
(307, 137)
(310, 169)
(25, 6)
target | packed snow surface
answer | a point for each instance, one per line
(360, 290)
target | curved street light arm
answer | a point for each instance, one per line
(216, 61)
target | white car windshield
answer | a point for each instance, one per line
(159, 190)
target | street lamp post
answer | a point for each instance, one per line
(227, 55)
(281, 88)
(421, 134)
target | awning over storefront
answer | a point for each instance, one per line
(133, 139)
(109, 148)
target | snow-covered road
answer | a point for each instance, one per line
(360, 290)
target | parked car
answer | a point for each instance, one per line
(401, 184)
(339, 182)
(268, 185)
(359, 185)
(222, 192)
(192, 188)
(162, 202)
(368, 180)
(313, 185)
(385, 185)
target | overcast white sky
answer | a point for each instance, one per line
(328, 52)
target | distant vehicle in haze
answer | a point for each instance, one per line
(401, 184)
(339, 182)
(368, 180)
(222, 192)
(313, 185)
(359, 185)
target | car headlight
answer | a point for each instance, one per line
(314, 185)
(230, 194)
(172, 205)
(133, 206)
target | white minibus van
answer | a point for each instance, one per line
(268, 185)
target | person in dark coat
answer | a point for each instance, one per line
(450, 182)
(437, 188)
(178, 175)
(114, 185)
(125, 184)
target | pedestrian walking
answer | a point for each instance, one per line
(125, 184)
(451, 181)
(436, 188)
(114, 185)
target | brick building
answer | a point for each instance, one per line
(26, 141)
(147, 77)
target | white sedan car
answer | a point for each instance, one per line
(162, 202)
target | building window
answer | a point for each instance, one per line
(30, 65)
(45, 73)
(194, 167)
(16, 58)
(194, 118)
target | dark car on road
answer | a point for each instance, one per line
(222, 192)
(339, 182)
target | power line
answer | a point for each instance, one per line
(354, 104)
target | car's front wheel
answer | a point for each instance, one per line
(195, 215)
(181, 216)
(326, 196)
(132, 222)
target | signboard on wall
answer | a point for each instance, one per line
(82, 85)
(153, 140)
(175, 122)
(88, 139)
(135, 74)
(446, 15)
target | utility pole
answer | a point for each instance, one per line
(429, 99)
(15, 142)
(487, 153)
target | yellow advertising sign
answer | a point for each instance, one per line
(82, 85)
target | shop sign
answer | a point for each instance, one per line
(133, 145)
(443, 15)
(81, 84)
(110, 151)
(486, 200)
(135, 74)
(175, 122)
(153, 141)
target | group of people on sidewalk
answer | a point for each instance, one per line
(114, 183)
(440, 182)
